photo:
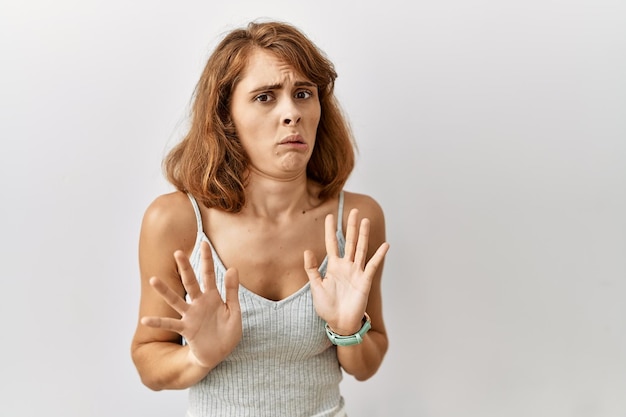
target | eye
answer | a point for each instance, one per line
(304, 94)
(263, 98)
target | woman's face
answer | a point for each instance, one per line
(276, 112)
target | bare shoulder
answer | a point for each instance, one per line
(170, 218)
(368, 207)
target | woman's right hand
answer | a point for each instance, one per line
(211, 326)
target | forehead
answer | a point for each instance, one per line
(265, 68)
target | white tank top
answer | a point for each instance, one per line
(284, 364)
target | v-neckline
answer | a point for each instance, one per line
(217, 261)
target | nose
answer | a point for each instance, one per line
(291, 121)
(291, 114)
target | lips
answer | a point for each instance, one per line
(293, 139)
(294, 143)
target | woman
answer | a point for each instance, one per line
(264, 301)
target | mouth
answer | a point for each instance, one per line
(293, 140)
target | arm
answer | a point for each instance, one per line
(353, 286)
(363, 360)
(160, 358)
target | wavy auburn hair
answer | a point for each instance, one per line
(210, 162)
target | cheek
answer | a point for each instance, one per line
(244, 123)
(315, 115)
(251, 133)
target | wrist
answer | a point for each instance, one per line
(354, 338)
(196, 363)
(346, 330)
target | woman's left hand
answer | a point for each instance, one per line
(340, 298)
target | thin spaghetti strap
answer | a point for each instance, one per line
(340, 213)
(196, 210)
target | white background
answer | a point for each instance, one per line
(493, 133)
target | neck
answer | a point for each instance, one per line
(272, 198)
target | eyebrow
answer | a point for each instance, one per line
(279, 86)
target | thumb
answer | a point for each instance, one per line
(231, 287)
(311, 267)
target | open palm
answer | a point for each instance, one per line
(211, 326)
(340, 298)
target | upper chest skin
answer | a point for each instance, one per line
(269, 253)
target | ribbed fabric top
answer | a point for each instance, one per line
(284, 364)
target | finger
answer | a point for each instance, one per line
(363, 244)
(332, 248)
(231, 287)
(351, 234)
(206, 267)
(376, 260)
(164, 323)
(187, 276)
(174, 300)
(311, 267)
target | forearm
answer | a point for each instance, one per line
(167, 365)
(363, 360)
